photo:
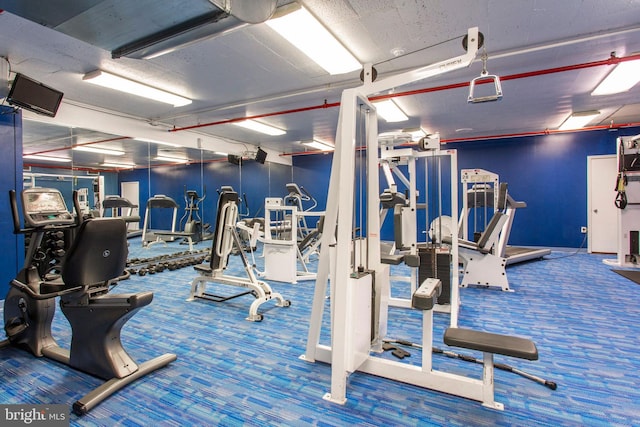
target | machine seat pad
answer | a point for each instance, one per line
(465, 244)
(395, 259)
(203, 268)
(133, 301)
(506, 345)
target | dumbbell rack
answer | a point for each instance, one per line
(170, 262)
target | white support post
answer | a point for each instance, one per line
(455, 277)
(327, 255)
(346, 144)
(488, 398)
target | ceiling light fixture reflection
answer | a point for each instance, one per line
(111, 81)
(154, 141)
(171, 159)
(390, 111)
(98, 150)
(260, 127)
(47, 158)
(319, 145)
(578, 120)
(118, 165)
(416, 133)
(305, 32)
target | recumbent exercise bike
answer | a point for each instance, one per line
(94, 260)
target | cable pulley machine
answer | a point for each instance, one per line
(358, 293)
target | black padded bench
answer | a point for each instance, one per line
(391, 259)
(491, 343)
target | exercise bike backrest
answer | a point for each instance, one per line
(98, 253)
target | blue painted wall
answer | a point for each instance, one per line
(548, 172)
(10, 179)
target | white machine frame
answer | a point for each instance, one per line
(409, 156)
(224, 242)
(351, 343)
(512, 254)
(280, 242)
(628, 218)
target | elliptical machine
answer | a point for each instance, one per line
(94, 260)
(191, 221)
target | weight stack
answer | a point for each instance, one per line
(435, 262)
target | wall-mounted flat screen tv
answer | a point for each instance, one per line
(34, 96)
(261, 156)
(234, 160)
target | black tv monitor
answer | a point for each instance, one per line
(34, 96)
(234, 160)
(261, 156)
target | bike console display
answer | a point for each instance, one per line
(45, 206)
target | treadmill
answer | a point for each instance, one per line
(516, 254)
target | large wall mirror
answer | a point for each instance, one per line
(103, 167)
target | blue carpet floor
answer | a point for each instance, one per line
(583, 317)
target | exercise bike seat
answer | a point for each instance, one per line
(97, 256)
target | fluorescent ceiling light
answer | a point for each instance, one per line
(170, 144)
(319, 145)
(112, 81)
(47, 158)
(305, 32)
(171, 159)
(389, 111)
(220, 153)
(622, 78)
(260, 127)
(416, 133)
(578, 120)
(118, 165)
(98, 150)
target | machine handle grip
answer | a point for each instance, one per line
(14, 212)
(76, 205)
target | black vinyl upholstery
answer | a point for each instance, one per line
(491, 343)
(98, 252)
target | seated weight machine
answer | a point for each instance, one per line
(399, 163)
(627, 200)
(285, 247)
(225, 242)
(482, 195)
(94, 260)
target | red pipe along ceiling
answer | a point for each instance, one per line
(612, 60)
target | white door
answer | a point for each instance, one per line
(131, 192)
(602, 213)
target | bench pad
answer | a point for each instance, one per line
(395, 259)
(491, 343)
